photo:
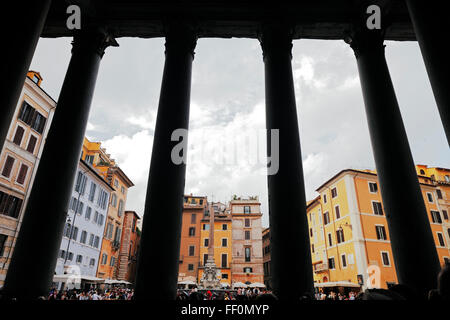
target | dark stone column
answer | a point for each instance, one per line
(33, 262)
(24, 26)
(413, 247)
(430, 24)
(161, 231)
(291, 266)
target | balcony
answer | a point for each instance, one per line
(319, 267)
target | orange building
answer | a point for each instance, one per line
(95, 155)
(350, 242)
(19, 160)
(194, 210)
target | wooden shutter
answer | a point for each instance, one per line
(31, 144)
(19, 135)
(22, 173)
(8, 166)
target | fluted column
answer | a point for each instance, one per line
(430, 25)
(161, 232)
(23, 28)
(413, 247)
(33, 262)
(291, 266)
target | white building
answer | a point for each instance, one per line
(83, 232)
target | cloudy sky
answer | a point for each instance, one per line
(227, 107)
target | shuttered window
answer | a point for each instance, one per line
(19, 135)
(31, 144)
(22, 174)
(8, 166)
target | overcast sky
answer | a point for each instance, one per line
(227, 103)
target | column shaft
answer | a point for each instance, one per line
(161, 232)
(29, 19)
(413, 247)
(34, 259)
(291, 266)
(429, 24)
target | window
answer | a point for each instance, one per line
(248, 270)
(441, 239)
(201, 201)
(38, 122)
(62, 254)
(26, 113)
(8, 166)
(205, 258)
(92, 191)
(430, 197)
(89, 159)
(80, 184)
(338, 213)
(116, 183)
(22, 174)
(10, 205)
(80, 207)
(75, 233)
(224, 226)
(331, 264)
(422, 172)
(191, 231)
(83, 237)
(79, 258)
(101, 218)
(91, 240)
(206, 242)
(114, 200)
(109, 230)
(344, 260)
(70, 257)
(206, 226)
(88, 213)
(439, 194)
(224, 260)
(326, 218)
(225, 276)
(96, 215)
(224, 242)
(247, 223)
(92, 262)
(103, 198)
(31, 144)
(112, 262)
(191, 251)
(436, 217)
(373, 187)
(73, 204)
(3, 238)
(193, 218)
(190, 267)
(67, 229)
(247, 254)
(120, 210)
(385, 258)
(122, 190)
(340, 235)
(381, 232)
(247, 235)
(96, 241)
(377, 208)
(19, 135)
(330, 239)
(445, 214)
(334, 193)
(310, 232)
(104, 258)
(324, 198)
(246, 209)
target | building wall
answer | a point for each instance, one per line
(92, 223)
(361, 246)
(239, 242)
(33, 94)
(128, 247)
(192, 205)
(266, 257)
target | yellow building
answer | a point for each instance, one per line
(95, 155)
(349, 234)
(221, 237)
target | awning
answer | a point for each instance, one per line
(336, 284)
(188, 282)
(113, 281)
(257, 285)
(75, 277)
(239, 285)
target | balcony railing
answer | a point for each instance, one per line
(319, 267)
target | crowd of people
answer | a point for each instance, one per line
(93, 294)
(239, 294)
(333, 296)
